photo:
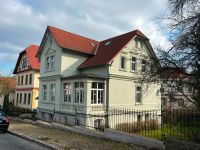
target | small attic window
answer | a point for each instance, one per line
(92, 44)
(107, 43)
(51, 40)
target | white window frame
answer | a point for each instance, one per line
(79, 93)
(97, 94)
(44, 92)
(50, 63)
(143, 65)
(67, 92)
(52, 92)
(136, 95)
(133, 63)
(29, 99)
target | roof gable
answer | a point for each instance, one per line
(100, 53)
(30, 51)
(109, 48)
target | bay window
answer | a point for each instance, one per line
(44, 92)
(97, 93)
(79, 92)
(67, 92)
(52, 91)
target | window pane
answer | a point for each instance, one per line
(94, 85)
(100, 85)
(122, 62)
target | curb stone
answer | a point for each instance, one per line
(42, 143)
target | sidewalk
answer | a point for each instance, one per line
(64, 139)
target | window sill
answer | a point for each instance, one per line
(138, 104)
(49, 70)
(101, 104)
(123, 70)
(133, 71)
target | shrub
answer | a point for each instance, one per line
(137, 126)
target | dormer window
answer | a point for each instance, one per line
(24, 63)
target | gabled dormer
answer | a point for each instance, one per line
(27, 60)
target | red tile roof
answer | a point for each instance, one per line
(72, 41)
(105, 53)
(30, 51)
(100, 52)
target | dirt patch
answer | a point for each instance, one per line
(67, 140)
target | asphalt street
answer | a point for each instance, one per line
(11, 142)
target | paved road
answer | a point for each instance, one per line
(11, 142)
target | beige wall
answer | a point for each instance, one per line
(70, 62)
(49, 50)
(27, 88)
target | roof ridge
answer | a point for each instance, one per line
(73, 33)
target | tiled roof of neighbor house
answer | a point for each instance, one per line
(31, 54)
(72, 41)
(101, 52)
(10, 80)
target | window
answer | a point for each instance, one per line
(24, 62)
(30, 79)
(25, 98)
(44, 92)
(17, 98)
(97, 93)
(133, 63)
(180, 102)
(180, 88)
(50, 63)
(138, 94)
(26, 80)
(22, 80)
(29, 98)
(122, 62)
(20, 99)
(139, 118)
(79, 92)
(147, 116)
(67, 92)
(143, 66)
(139, 43)
(18, 80)
(52, 91)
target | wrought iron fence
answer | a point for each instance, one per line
(183, 124)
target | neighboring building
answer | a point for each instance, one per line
(81, 75)
(27, 74)
(175, 89)
(7, 84)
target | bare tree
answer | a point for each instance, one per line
(181, 62)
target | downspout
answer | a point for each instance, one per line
(107, 97)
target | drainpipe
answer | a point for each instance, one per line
(107, 98)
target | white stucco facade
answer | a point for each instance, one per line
(119, 86)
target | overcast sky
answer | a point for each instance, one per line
(23, 22)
